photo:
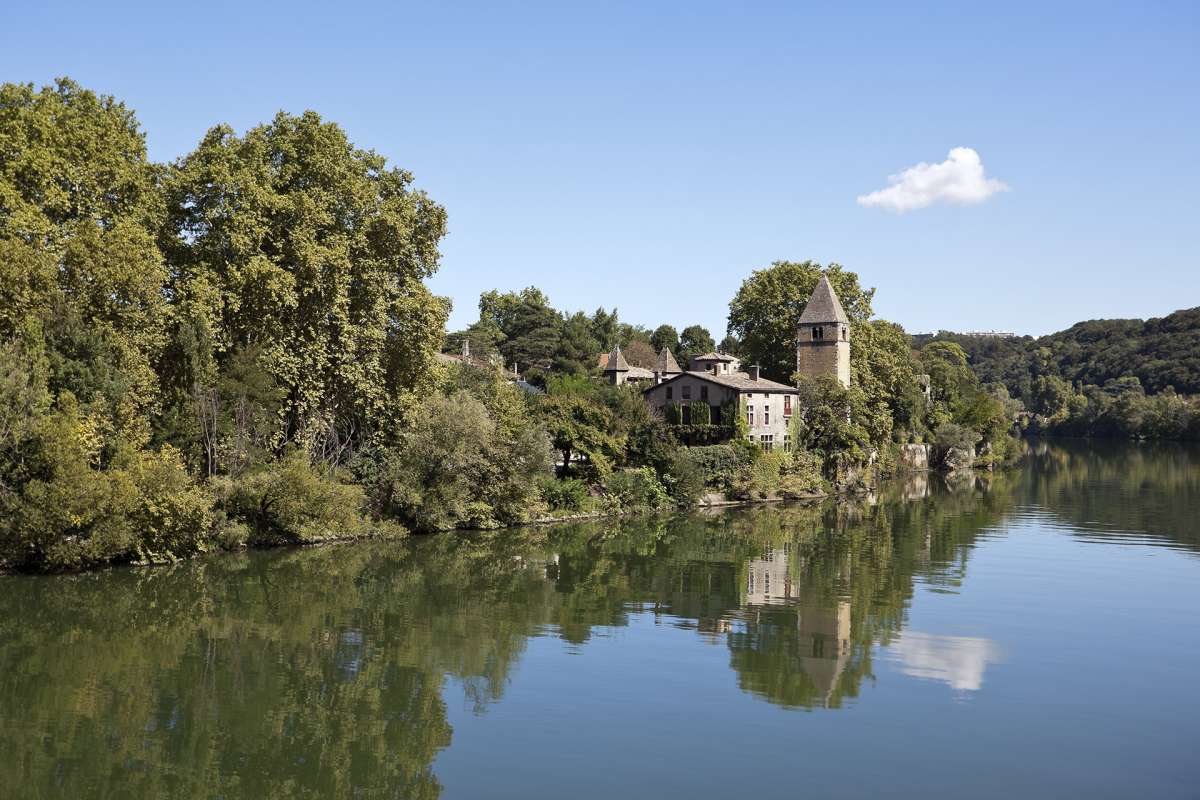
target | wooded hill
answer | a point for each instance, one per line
(1162, 352)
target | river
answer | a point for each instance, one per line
(1033, 633)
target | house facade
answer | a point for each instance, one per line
(768, 406)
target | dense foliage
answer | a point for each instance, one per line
(240, 348)
(1121, 377)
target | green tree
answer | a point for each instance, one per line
(694, 340)
(530, 327)
(578, 425)
(665, 336)
(292, 240)
(765, 313)
(577, 346)
(605, 328)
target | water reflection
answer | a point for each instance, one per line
(958, 661)
(323, 673)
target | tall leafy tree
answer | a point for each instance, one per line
(665, 336)
(530, 327)
(693, 341)
(577, 347)
(79, 204)
(765, 313)
(605, 328)
(291, 240)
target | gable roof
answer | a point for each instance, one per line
(824, 305)
(740, 381)
(616, 362)
(667, 362)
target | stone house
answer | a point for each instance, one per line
(717, 379)
(767, 405)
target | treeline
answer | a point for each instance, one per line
(522, 330)
(1109, 378)
(239, 348)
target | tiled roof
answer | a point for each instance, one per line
(740, 381)
(667, 362)
(824, 305)
(616, 362)
(714, 357)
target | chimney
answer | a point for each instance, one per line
(466, 347)
(714, 368)
(754, 372)
(657, 377)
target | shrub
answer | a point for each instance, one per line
(636, 489)
(566, 495)
(803, 476)
(291, 501)
(718, 464)
(172, 514)
(684, 477)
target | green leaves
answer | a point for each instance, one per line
(765, 313)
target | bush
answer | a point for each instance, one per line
(566, 495)
(718, 464)
(761, 477)
(291, 501)
(172, 514)
(684, 478)
(803, 476)
(636, 489)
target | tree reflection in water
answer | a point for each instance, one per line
(323, 672)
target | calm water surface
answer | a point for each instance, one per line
(1033, 634)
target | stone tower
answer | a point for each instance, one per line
(823, 341)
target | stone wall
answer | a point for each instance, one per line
(814, 359)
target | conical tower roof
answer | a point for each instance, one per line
(667, 362)
(824, 305)
(616, 361)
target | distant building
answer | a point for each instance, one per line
(823, 341)
(466, 359)
(618, 370)
(718, 380)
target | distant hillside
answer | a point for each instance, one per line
(1159, 352)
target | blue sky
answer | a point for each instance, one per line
(651, 155)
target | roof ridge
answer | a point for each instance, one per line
(823, 305)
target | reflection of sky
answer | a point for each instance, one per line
(957, 660)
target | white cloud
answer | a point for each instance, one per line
(959, 180)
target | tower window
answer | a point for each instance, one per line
(818, 333)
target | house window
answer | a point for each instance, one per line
(787, 405)
(767, 414)
(687, 393)
(703, 392)
(768, 441)
(670, 392)
(787, 443)
(750, 418)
